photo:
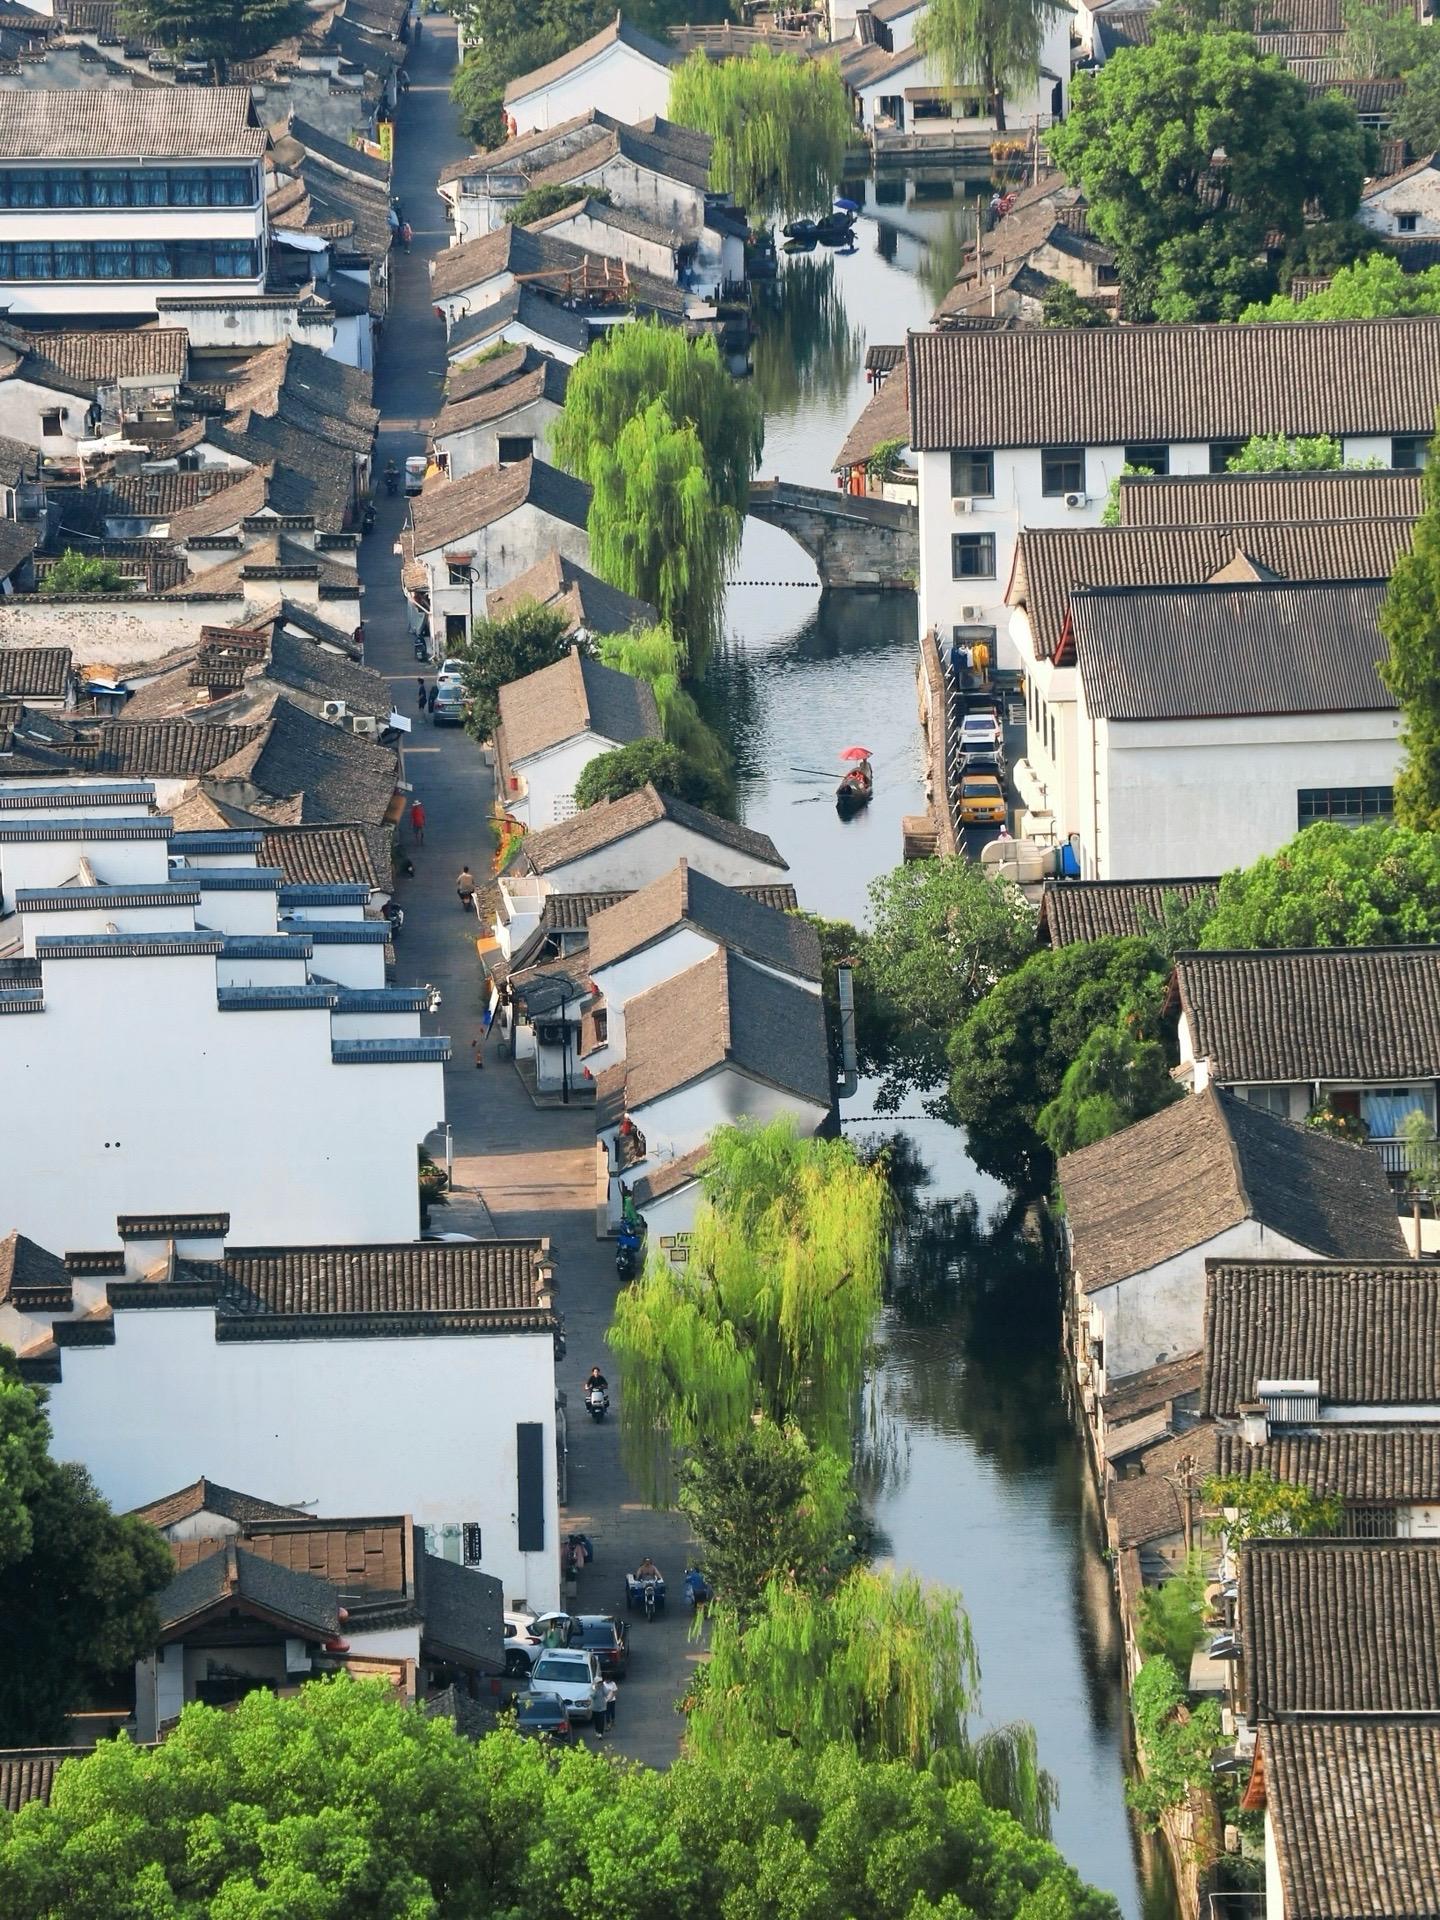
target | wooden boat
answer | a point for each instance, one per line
(800, 230)
(857, 784)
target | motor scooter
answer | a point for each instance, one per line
(629, 1250)
(597, 1403)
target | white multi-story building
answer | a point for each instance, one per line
(113, 199)
(620, 69)
(267, 1069)
(1028, 428)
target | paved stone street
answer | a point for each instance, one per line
(533, 1168)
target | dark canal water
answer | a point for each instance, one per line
(976, 1477)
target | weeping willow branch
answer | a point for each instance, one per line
(780, 124)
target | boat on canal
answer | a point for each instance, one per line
(857, 783)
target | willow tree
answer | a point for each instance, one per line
(994, 44)
(780, 124)
(637, 364)
(657, 529)
(654, 654)
(880, 1662)
(773, 1310)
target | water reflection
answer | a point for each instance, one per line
(807, 347)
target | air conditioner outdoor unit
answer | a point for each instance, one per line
(963, 505)
(333, 710)
(1077, 499)
(362, 723)
(971, 613)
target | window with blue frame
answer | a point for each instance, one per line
(129, 260)
(22, 188)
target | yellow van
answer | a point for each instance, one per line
(982, 800)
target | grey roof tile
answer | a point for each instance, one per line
(1074, 911)
(1255, 499)
(1103, 386)
(1368, 1330)
(576, 695)
(156, 123)
(687, 897)
(1364, 1467)
(1370, 1014)
(588, 601)
(457, 508)
(612, 820)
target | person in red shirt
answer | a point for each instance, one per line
(417, 822)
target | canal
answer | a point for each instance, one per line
(974, 1473)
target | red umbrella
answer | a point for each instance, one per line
(855, 753)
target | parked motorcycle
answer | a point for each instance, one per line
(392, 479)
(394, 916)
(597, 1402)
(629, 1249)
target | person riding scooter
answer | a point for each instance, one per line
(392, 477)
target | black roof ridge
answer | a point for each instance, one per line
(1281, 953)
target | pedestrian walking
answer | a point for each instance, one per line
(465, 888)
(424, 693)
(477, 1051)
(407, 234)
(434, 695)
(417, 822)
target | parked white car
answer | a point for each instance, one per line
(450, 674)
(523, 1645)
(572, 1676)
(981, 732)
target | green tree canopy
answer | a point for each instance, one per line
(767, 1506)
(1191, 151)
(1371, 289)
(1119, 1076)
(1410, 622)
(1380, 42)
(1010, 1053)
(627, 372)
(77, 572)
(1416, 115)
(1257, 1506)
(657, 528)
(342, 1804)
(772, 1312)
(76, 1580)
(1334, 886)
(942, 933)
(610, 776)
(499, 651)
(540, 202)
(780, 123)
(996, 43)
(654, 654)
(1062, 306)
(1274, 453)
(215, 30)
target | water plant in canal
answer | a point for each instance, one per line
(780, 123)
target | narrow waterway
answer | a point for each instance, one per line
(972, 1467)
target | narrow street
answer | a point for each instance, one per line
(533, 1168)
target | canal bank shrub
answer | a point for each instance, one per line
(1177, 1742)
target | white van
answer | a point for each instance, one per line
(415, 468)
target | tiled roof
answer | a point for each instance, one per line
(1362, 1466)
(462, 1611)
(1101, 386)
(1072, 911)
(1369, 1333)
(462, 507)
(1255, 499)
(1134, 1394)
(340, 153)
(1354, 1812)
(884, 419)
(601, 826)
(669, 1177)
(687, 897)
(1053, 563)
(334, 776)
(1149, 1505)
(618, 218)
(1330, 1626)
(526, 306)
(208, 1496)
(164, 749)
(588, 601)
(1341, 1013)
(1158, 653)
(572, 912)
(28, 1773)
(130, 123)
(725, 1012)
(29, 1275)
(18, 542)
(100, 354)
(545, 382)
(495, 1286)
(242, 493)
(156, 496)
(34, 673)
(223, 1572)
(320, 856)
(367, 1555)
(574, 696)
(616, 34)
(1204, 1164)
(463, 382)
(85, 899)
(508, 249)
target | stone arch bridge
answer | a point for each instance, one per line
(854, 541)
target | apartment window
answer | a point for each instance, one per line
(1406, 222)
(454, 629)
(1274, 1100)
(512, 448)
(1150, 456)
(1222, 452)
(1371, 1523)
(1408, 451)
(1350, 806)
(1062, 471)
(25, 188)
(52, 424)
(129, 260)
(972, 473)
(458, 572)
(972, 556)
